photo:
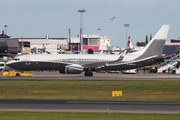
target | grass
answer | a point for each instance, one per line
(84, 116)
(90, 90)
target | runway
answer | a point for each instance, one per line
(90, 106)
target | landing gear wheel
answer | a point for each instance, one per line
(17, 74)
(88, 73)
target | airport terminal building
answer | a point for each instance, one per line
(57, 44)
(172, 47)
(14, 45)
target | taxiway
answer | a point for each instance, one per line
(45, 75)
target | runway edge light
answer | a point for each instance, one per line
(116, 93)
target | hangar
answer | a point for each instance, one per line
(8, 45)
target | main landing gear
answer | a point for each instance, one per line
(88, 73)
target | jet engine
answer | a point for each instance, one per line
(72, 69)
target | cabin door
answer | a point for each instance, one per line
(27, 60)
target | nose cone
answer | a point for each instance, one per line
(8, 63)
(11, 64)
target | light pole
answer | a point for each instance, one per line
(111, 34)
(99, 29)
(81, 28)
(113, 29)
(5, 29)
(126, 26)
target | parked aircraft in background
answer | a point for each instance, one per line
(131, 47)
(78, 63)
(129, 44)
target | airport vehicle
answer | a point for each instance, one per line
(130, 71)
(78, 63)
(169, 65)
(2, 66)
(14, 73)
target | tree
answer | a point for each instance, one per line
(146, 42)
(150, 37)
(140, 44)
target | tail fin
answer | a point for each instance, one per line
(156, 45)
(129, 43)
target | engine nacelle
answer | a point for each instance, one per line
(72, 69)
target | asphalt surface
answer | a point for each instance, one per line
(45, 75)
(92, 106)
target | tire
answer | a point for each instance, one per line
(17, 74)
(173, 72)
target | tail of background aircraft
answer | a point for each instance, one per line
(129, 43)
(156, 45)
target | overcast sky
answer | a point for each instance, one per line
(37, 18)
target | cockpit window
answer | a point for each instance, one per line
(16, 59)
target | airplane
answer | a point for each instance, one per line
(78, 63)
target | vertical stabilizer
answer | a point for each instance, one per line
(156, 45)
